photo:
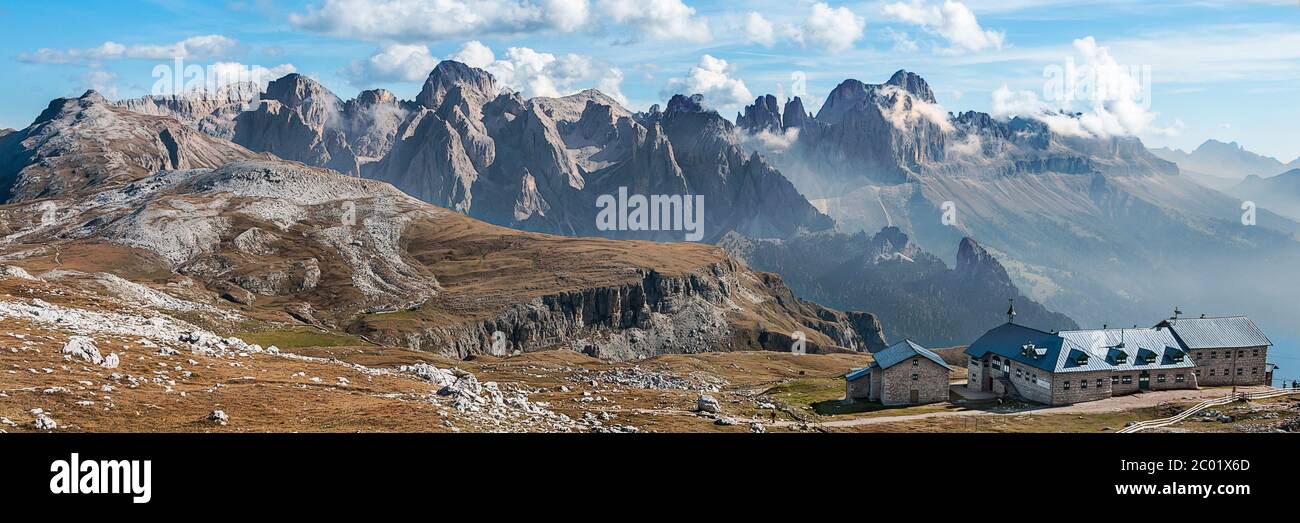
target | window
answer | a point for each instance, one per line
(1114, 380)
(916, 377)
(1083, 384)
(1254, 370)
(1128, 379)
(1121, 358)
(1065, 385)
(1099, 383)
(1199, 354)
(1254, 352)
(1240, 371)
(1179, 378)
(1214, 355)
(915, 362)
(1160, 378)
(1211, 372)
(1151, 358)
(1241, 354)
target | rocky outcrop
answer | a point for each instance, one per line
(652, 315)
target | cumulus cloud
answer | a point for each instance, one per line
(474, 54)
(835, 29)
(712, 79)
(393, 63)
(535, 73)
(758, 30)
(658, 19)
(411, 21)
(194, 48)
(102, 81)
(1115, 98)
(771, 141)
(951, 20)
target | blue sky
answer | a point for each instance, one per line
(1220, 69)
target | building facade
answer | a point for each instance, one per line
(1227, 351)
(1077, 366)
(903, 374)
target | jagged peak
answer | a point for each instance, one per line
(973, 257)
(376, 96)
(686, 104)
(295, 90)
(449, 74)
(912, 83)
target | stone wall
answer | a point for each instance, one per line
(858, 390)
(1215, 366)
(931, 382)
(1076, 387)
(1032, 384)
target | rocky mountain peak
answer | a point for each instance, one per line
(912, 83)
(973, 259)
(376, 97)
(450, 74)
(686, 104)
(763, 115)
(296, 90)
(794, 114)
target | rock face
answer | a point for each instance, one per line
(298, 119)
(78, 144)
(212, 112)
(918, 297)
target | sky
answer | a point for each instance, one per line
(1172, 72)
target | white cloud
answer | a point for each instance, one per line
(474, 54)
(394, 63)
(712, 79)
(534, 73)
(194, 48)
(835, 29)
(414, 20)
(102, 81)
(758, 30)
(658, 19)
(951, 20)
(771, 141)
(1115, 97)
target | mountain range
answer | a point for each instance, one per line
(1096, 227)
(146, 208)
(1219, 165)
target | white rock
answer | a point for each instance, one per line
(83, 347)
(219, 416)
(707, 403)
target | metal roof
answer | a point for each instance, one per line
(902, 351)
(1217, 333)
(1083, 350)
(856, 373)
(1007, 340)
(1103, 347)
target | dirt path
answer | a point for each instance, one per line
(1118, 403)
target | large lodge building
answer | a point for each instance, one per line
(1087, 365)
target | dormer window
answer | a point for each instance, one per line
(1082, 359)
(1151, 357)
(1121, 358)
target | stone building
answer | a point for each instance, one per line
(1077, 366)
(903, 374)
(1227, 351)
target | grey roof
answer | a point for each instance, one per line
(1217, 333)
(1104, 345)
(856, 373)
(903, 351)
